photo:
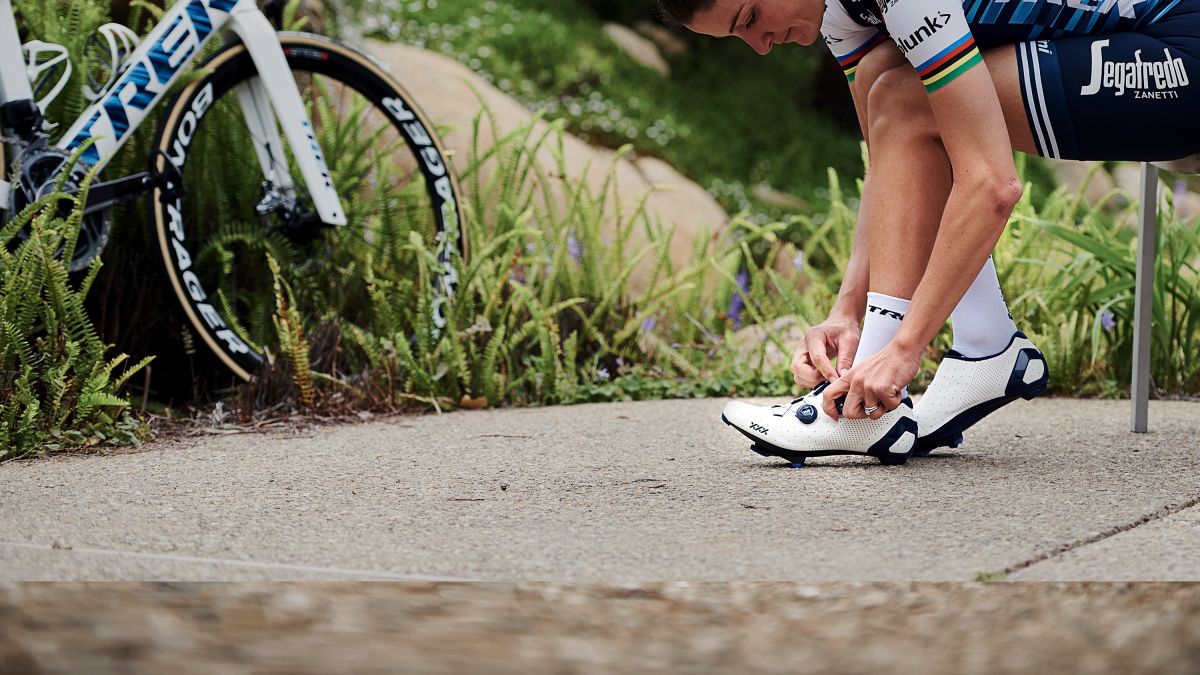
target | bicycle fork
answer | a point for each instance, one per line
(272, 101)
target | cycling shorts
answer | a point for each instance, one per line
(1117, 96)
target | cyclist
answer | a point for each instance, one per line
(944, 91)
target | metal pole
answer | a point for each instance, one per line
(1143, 309)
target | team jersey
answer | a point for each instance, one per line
(942, 38)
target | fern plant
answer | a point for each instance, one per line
(58, 388)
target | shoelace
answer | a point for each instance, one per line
(815, 392)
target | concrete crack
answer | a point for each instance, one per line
(1163, 512)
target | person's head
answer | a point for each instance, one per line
(761, 23)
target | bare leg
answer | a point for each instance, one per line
(910, 171)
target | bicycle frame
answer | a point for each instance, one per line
(269, 102)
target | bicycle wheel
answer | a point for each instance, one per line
(216, 218)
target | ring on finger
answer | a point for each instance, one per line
(870, 409)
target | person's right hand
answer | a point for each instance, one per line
(812, 362)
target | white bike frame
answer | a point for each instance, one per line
(270, 101)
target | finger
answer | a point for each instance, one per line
(807, 378)
(853, 409)
(879, 411)
(890, 397)
(831, 394)
(818, 357)
(848, 345)
(803, 372)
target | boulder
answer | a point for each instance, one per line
(1074, 174)
(452, 95)
(1128, 176)
(637, 47)
(790, 329)
(669, 44)
(779, 198)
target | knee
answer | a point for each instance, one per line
(897, 104)
(877, 62)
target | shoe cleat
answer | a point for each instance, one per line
(965, 390)
(801, 429)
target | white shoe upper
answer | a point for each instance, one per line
(781, 426)
(962, 383)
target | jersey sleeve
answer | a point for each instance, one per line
(848, 41)
(934, 36)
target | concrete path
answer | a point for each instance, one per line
(630, 492)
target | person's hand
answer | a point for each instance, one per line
(811, 363)
(875, 382)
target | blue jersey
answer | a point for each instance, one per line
(942, 38)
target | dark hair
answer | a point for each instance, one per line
(681, 12)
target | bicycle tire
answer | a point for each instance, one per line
(181, 230)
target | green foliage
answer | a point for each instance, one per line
(725, 117)
(987, 577)
(57, 388)
(546, 312)
(1068, 268)
(69, 24)
(289, 333)
(1071, 268)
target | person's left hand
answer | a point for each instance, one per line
(877, 381)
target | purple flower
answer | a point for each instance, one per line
(798, 261)
(574, 247)
(738, 302)
(1109, 321)
(602, 374)
(649, 323)
(517, 274)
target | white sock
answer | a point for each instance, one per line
(884, 314)
(982, 324)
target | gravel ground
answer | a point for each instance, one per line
(776, 627)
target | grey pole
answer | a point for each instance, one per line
(1143, 309)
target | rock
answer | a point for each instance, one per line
(790, 330)
(1128, 176)
(637, 47)
(789, 265)
(668, 43)
(1187, 205)
(779, 198)
(452, 95)
(1074, 174)
(680, 203)
(1189, 164)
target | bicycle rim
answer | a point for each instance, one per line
(385, 161)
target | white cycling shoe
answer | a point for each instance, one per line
(966, 390)
(801, 430)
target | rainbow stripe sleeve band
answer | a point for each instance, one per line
(948, 64)
(849, 62)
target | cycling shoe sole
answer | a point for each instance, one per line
(880, 450)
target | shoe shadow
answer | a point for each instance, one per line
(850, 462)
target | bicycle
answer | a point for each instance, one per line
(286, 110)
